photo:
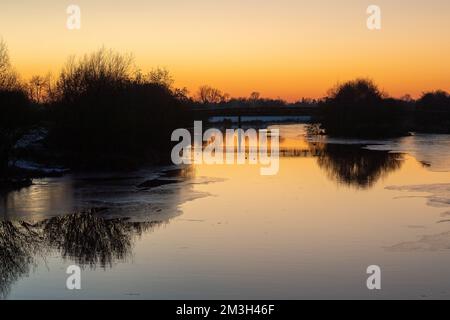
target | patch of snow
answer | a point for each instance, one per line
(33, 137)
(29, 165)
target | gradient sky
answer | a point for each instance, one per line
(281, 48)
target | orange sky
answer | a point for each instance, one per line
(281, 48)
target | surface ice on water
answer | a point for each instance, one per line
(438, 195)
(159, 203)
(145, 195)
(435, 242)
(433, 150)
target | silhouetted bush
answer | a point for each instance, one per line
(433, 112)
(359, 109)
(107, 116)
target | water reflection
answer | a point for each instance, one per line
(45, 197)
(18, 246)
(88, 239)
(353, 166)
(199, 250)
(155, 191)
(113, 211)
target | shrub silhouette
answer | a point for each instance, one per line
(359, 109)
(433, 112)
(107, 116)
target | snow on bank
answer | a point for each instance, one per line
(33, 166)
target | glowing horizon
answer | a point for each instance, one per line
(288, 49)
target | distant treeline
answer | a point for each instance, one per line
(213, 97)
(355, 108)
(102, 112)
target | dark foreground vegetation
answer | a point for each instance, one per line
(104, 114)
(101, 112)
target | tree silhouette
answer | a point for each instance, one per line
(162, 77)
(40, 88)
(433, 112)
(210, 95)
(359, 109)
(15, 112)
(106, 114)
(9, 80)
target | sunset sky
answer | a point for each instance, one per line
(281, 48)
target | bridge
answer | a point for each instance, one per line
(203, 112)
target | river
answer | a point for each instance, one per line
(335, 207)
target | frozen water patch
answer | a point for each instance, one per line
(432, 150)
(158, 204)
(437, 242)
(438, 195)
(117, 193)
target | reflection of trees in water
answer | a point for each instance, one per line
(18, 246)
(357, 167)
(91, 240)
(86, 238)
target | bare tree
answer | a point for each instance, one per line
(226, 97)
(4, 57)
(207, 94)
(99, 69)
(162, 77)
(39, 88)
(8, 77)
(254, 96)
